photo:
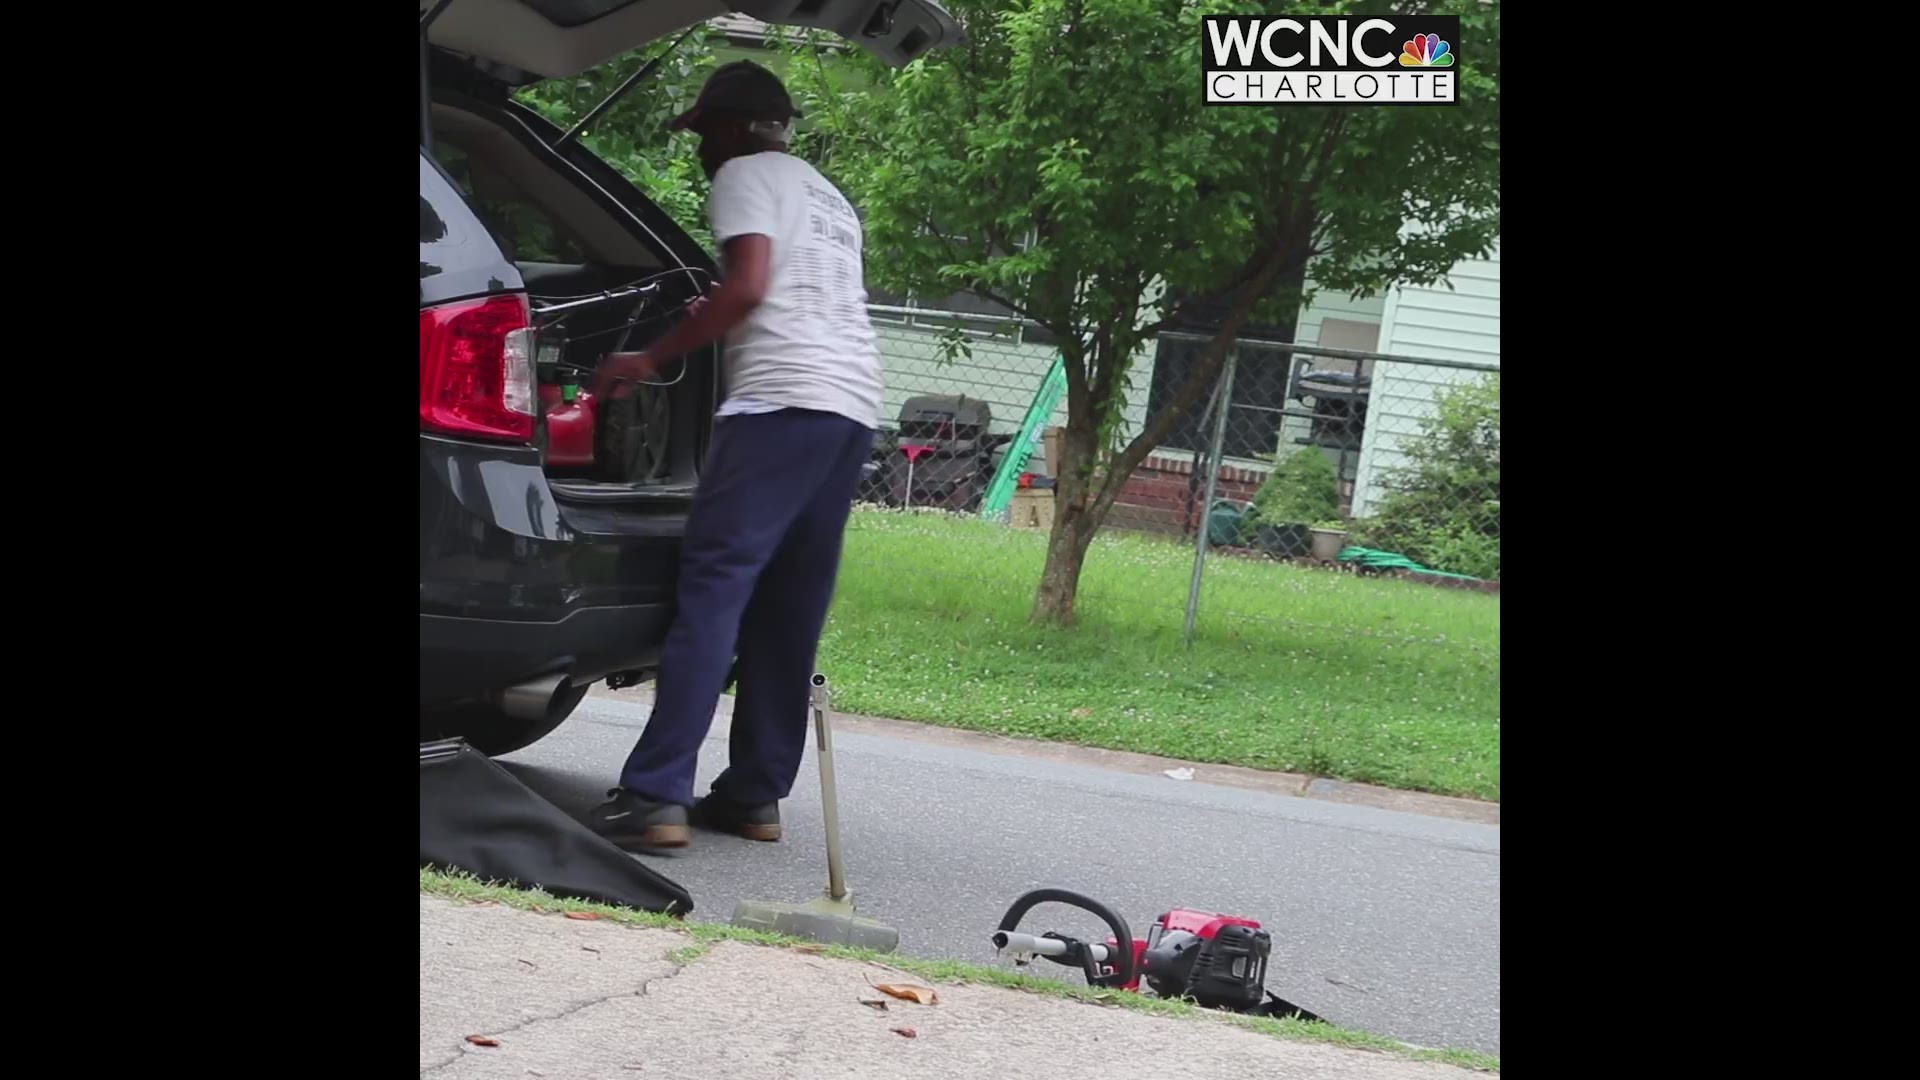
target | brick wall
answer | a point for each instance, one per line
(1155, 497)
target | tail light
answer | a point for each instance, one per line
(476, 369)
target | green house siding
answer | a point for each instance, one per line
(1003, 373)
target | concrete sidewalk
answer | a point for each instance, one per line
(594, 999)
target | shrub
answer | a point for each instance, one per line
(1302, 489)
(1442, 508)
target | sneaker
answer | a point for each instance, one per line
(718, 814)
(631, 822)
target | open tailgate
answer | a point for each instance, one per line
(558, 39)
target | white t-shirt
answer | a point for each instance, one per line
(809, 345)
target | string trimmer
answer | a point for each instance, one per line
(1216, 961)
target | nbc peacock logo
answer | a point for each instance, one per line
(1426, 50)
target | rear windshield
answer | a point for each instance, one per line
(575, 12)
(523, 231)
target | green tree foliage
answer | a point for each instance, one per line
(632, 136)
(1080, 123)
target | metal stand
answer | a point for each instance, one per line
(822, 700)
(830, 917)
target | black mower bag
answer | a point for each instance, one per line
(475, 816)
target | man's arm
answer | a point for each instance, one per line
(749, 264)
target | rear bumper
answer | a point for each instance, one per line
(465, 657)
(515, 586)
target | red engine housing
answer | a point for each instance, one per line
(1204, 925)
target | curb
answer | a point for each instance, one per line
(462, 890)
(1297, 785)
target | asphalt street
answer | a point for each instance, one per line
(1383, 921)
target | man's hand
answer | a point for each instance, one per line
(749, 263)
(617, 373)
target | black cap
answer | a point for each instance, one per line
(744, 88)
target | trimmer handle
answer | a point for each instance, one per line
(1079, 952)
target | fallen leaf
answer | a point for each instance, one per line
(483, 1040)
(908, 1032)
(1180, 774)
(813, 947)
(908, 993)
(584, 916)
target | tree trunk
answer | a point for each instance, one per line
(1081, 505)
(1073, 532)
(1076, 520)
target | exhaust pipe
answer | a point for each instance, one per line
(532, 700)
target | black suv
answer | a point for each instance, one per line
(550, 524)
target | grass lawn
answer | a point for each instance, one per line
(1364, 679)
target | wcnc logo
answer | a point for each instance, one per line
(1330, 60)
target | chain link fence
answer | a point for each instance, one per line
(1339, 459)
(1322, 459)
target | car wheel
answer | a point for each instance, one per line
(632, 436)
(489, 729)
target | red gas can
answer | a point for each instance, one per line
(569, 424)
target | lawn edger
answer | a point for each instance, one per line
(1215, 961)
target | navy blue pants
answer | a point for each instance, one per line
(757, 570)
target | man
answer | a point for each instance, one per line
(762, 545)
